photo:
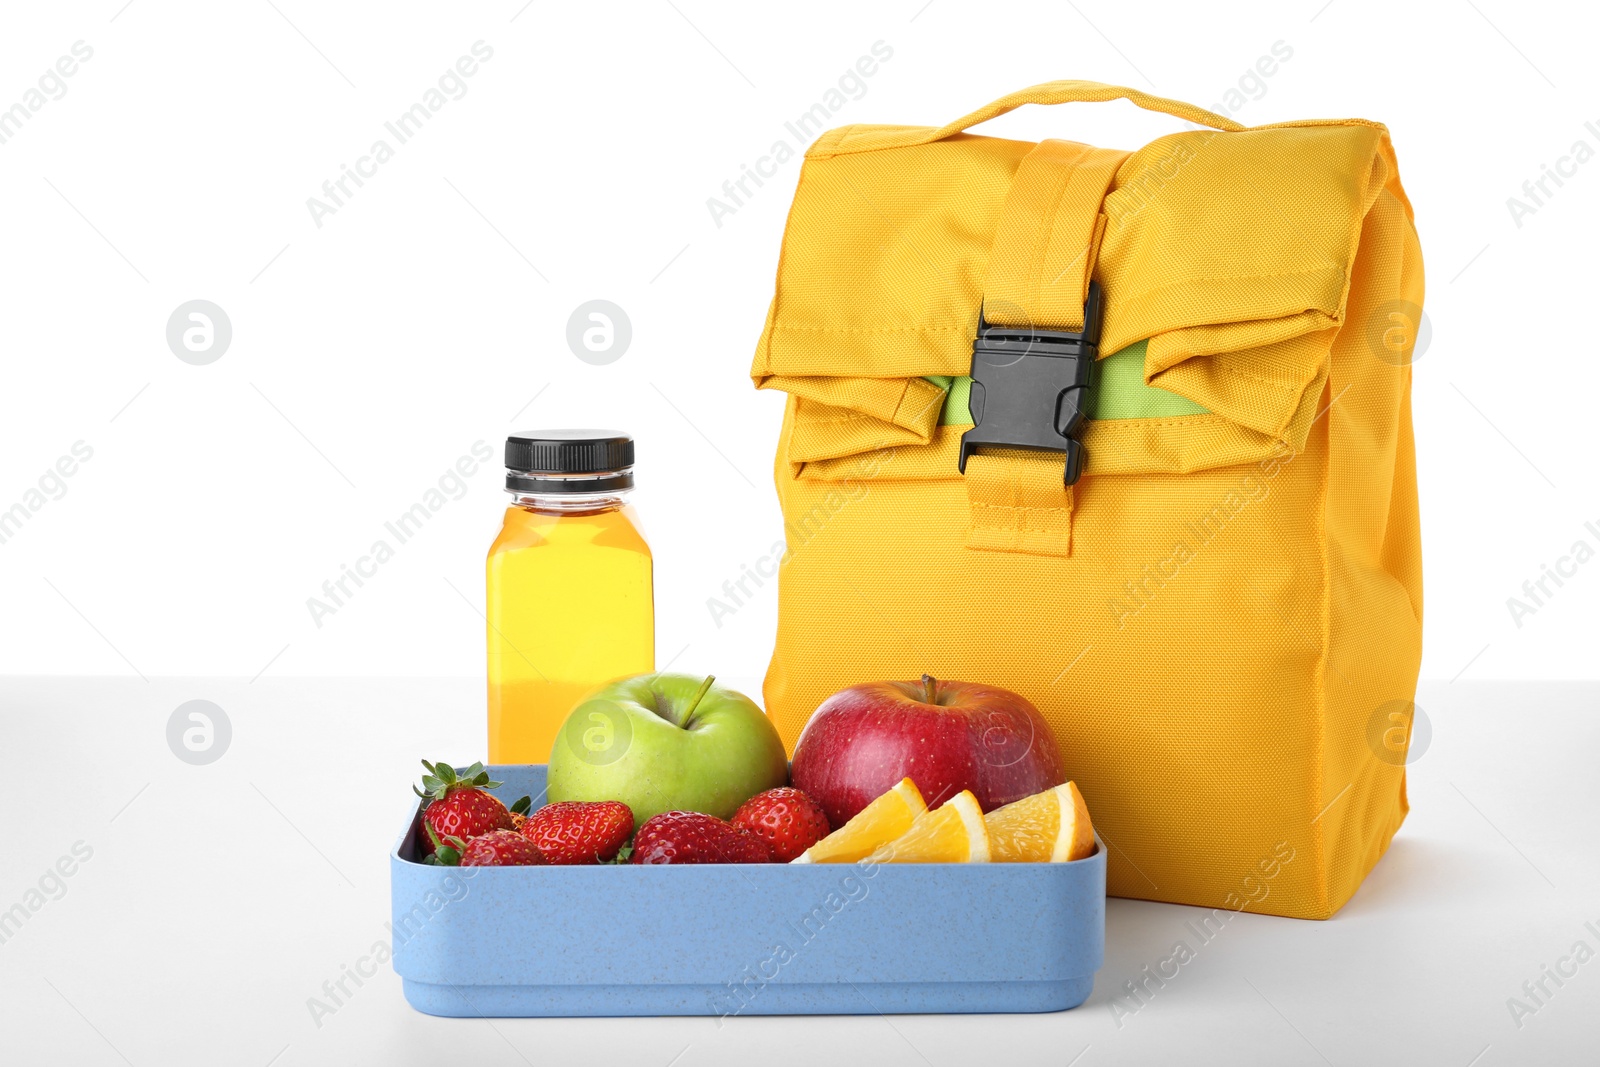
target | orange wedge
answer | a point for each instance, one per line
(953, 833)
(878, 823)
(1052, 826)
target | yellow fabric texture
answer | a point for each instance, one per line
(1241, 598)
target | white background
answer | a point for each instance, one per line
(431, 309)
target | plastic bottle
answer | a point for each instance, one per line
(571, 601)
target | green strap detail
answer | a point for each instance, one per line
(956, 410)
(1119, 392)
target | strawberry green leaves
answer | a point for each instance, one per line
(441, 779)
(446, 851)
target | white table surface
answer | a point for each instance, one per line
(218, 899)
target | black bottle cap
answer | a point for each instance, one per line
(569, 461)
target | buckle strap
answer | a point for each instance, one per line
(1039, 327)
(1034, 355)
(1029, 388)
(1048, 236)
(1017, 504)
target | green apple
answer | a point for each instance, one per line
(666, 742)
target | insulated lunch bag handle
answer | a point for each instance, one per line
(1068, 92)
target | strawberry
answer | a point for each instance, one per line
(577, 831)
(500, 848)
(786, 819)
(461, 807)
(690, 837)
(497, 848)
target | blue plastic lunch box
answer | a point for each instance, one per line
(742, 939)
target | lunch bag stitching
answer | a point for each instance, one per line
(920, 327)
(1186, 282)
(1237, 373)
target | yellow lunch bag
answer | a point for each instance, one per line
(1128, 433)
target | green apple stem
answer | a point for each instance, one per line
(930, 690)
(699, 694)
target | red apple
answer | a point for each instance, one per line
(945, 736)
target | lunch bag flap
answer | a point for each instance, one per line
(1228, 250)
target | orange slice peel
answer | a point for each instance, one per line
(880, 822)
(1048, 827)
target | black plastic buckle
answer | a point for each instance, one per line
(1029, 387)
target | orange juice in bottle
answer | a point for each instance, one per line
(571, 604)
